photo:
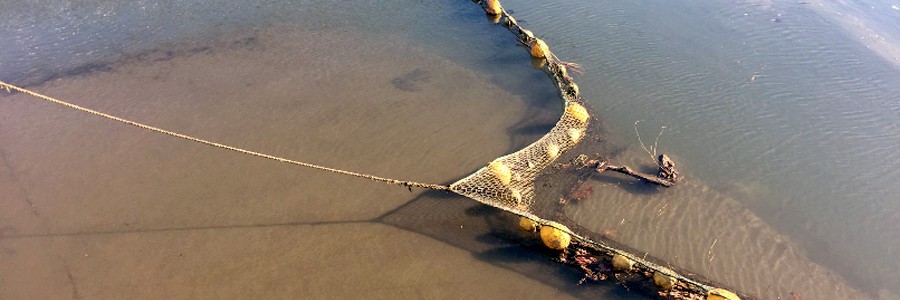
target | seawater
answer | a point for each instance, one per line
(788, 108)
(782, 116)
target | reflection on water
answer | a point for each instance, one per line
(770, 104)
(873, 23)
(783, 128)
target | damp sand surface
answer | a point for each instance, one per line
(98, 210)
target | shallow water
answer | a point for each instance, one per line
(94, 209)
(779, 107)
(782, 123)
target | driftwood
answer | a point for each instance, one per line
(667, 175)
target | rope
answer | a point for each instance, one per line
(556, 67)
(527, 38)
(409, 184)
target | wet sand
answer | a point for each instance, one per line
(98, 210)
(95, 209)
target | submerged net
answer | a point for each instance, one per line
(508, 181)
(529, 182)
(558, 163)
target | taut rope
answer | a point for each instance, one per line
(9, 88)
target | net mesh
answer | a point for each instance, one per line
(557, 163)
(508, 181)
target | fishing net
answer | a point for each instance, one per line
(534, 182)
(508, 182)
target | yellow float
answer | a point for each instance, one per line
(539, 49)
(493, 7)
(554, 238)
(527, 224)
(663, 281)
(501, 171)
(722, 294)
(577, 111)
(552, 151)
(622, 263)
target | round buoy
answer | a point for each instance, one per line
(501, 171)
(538, 63)
(622, 263)
(552, 151)
(494, 19)
(554, 238)
(493, 7)
(575, 135)
(722, 294)
(663, 281)
(527, 224)
(577, 111)
(539, 49)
